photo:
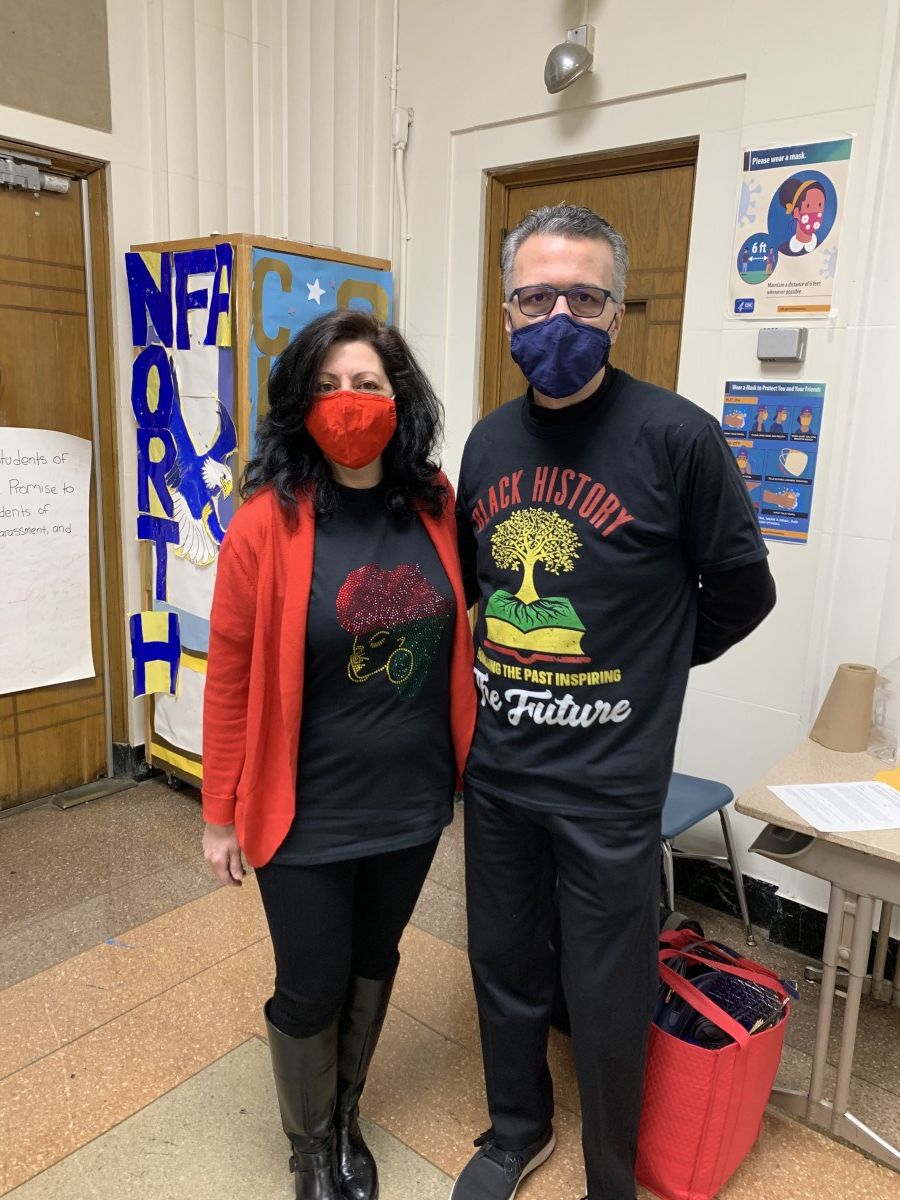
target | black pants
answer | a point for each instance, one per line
(608, 872)
(331, 922)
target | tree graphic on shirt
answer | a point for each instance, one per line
(526, 626)
(531, 536)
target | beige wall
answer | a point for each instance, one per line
(55, 59)
(736, 75)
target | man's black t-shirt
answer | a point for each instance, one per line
(376, 770)
(589, 527)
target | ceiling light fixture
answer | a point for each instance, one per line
(570, 59)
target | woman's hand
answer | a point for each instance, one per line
(222, 852)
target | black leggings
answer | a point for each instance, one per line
(334, 921)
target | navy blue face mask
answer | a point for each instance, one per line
(559, 356)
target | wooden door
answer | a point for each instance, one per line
(647, 195)
(51, 738)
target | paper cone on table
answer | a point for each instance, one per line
(845, 719)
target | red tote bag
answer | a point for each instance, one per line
(703, 1109)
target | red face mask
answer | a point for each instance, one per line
(352, 428)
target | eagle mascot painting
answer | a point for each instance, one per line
(197, 481)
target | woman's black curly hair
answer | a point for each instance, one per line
(287, 458)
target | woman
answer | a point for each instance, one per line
(339, 711)
(804, 200)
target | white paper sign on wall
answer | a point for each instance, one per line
(45, 585)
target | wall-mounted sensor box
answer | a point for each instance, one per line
(781, 344)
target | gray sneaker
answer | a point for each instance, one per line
(495, 1174)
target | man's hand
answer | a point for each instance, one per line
(222, 852)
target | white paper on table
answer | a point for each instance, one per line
(843, 807)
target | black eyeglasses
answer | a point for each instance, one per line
(538, 299)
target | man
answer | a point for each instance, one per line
(804, 424)
(607, 536)
(761, 416)
(781, 416)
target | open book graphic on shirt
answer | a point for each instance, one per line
(548, 628)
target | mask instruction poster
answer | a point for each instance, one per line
(773, 430)
(45, 597)
(787, 233)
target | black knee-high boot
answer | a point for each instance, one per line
(305, 1072)
(360, 1027)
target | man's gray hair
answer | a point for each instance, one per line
(568, 221)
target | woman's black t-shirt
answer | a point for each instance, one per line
(376, 769)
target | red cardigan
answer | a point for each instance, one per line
(254, 679)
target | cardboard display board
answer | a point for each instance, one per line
(209, 316)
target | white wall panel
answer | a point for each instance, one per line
(238, 16)
(212, 166)
(374, 235)
(239, 119)
(267, 164)
(889, 625)
(269, 116)
(178, 48)
(346, 180)
(297, 56)
(154, 144)
(323, 144)
(184, 215)
(268, 22)
(273, 64)
(210, 12)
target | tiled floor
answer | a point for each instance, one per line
(132, 1059)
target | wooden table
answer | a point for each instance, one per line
(862, 868)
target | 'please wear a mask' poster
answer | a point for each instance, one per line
(773, 430)
(787, 234)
